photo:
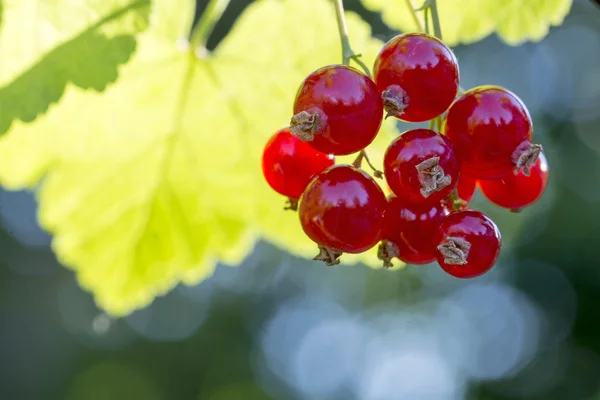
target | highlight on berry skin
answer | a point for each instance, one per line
(492, 133)
(408, 231)
(417, 76)
(517, 191)
(420, 166)
(338, 110)
(480, 138)
(342, 211)
(467, 244)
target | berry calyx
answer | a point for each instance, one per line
(516, 192)
(417, 76)
(408, 231)
(342, 211)
(455, 250)
(338, 110)
(467, 244)
(328, 256)
(491, 130)
(395, 101)
(304, 125)
(420, 166)
(288, 165)
(525, 156)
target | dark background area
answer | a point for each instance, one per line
(283, 328)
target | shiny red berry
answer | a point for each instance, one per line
(338, 110)
(466, 187)
(491, 130)
(517, 191)
(342, 211)
(467, 244)
(288, 164)
(408, 231)
(420, 166)
(417, 76)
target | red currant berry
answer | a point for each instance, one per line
(491, 130)
(408, 231)
(417, 76)
(465, 190)
(517, 191)
(420, 166)
(466, 187)
(342, 211)
(467, 244)
(338, 110)
(288, 163)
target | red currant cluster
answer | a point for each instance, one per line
(485, 140)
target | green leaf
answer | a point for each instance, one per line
(45, 45)
(468, 21)
(157, 178)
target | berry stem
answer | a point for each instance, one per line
(438, 123)
(426, 17)
(456, 202)
(291, 204)
(413, 14)
(357, 163)
(347, 52)
(207, 22)
(437, 29)
(430, 6)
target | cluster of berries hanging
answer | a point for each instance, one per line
(485, 140)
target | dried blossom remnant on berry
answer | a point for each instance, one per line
(328, 256)
(432, 177)
(386, 251)
(525, 156)
(394, 101)
(305, 125)
(291, 204)
(455, 250)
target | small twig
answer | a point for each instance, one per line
(413, 14)
(291, 204)
(437, 29)
(357, 163)
(438, 123)
(457, 203)
(347, 52)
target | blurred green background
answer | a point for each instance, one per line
(283, 328)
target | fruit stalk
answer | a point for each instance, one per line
(437, 29)
(413, 14)
(347, 52)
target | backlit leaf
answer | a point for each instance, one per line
(157, 178)
(468, 21)
(46, 45)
